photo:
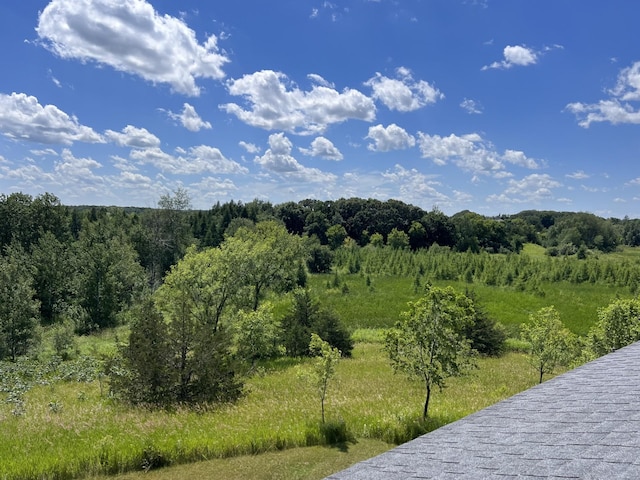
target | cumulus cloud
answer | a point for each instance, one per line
(390, 138)
(416, 187)
(22, 117)
(130, 36)
(249, 147)
(71, 167)
(531, 189)
(274, 103)
(515, 55)
(190, 119)
(472, 153)
(196, 160)
(278, 159)
(403, 93)
(471, 106)
(133, 137)
(616, 109)
(323, 147)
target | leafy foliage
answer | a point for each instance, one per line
(618, 326)
(429, 341)
(306, 317)
(323, 367)
(18, 307)
(550, 343)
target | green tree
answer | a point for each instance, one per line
(256, 333)
(417, 236)
(429, 342)
(192, 300)
(397, 239)
(618, 326)
(53, 274)
(336, 235)
(107, 273)
(147, 371)
(376, 240)
(272, 257)
(487, 336)
(550, 343)
(307, 316)
(18, 307)
(166, 235)
(323, 368)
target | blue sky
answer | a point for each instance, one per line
(495, 106)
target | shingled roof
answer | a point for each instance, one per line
(582, 424)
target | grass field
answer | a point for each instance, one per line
(69, 429)
(379, 304)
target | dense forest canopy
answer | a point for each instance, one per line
(173, 225)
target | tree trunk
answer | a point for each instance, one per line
(426, 403)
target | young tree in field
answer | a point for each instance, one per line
(147, 358)
(323, 368)
(551, 343)
(18, 307)
(429, 343)
(376, 240)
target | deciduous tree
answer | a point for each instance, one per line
(551, 343)
(428, 342)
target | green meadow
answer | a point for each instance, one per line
(68, 426)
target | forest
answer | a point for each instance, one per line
(147, 311)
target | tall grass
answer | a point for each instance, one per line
(379, 304)
(69, 430)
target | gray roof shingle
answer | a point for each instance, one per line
(583, 424)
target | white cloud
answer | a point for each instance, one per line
(249, 147)
(390, 138)
(472, 153)
(318, 79)
(628, 85)
(531, 189)
(403, 93)
(197, 160)
(278, 159)
(190, 119)
(323, 147)
(81, 169)
(415, 187)
(44, 152)
(23, 118)
(616, 109)
(579, 175)
(471, 106)
(130, 36)
(518, 158)
(133, 137)
(276, 104)
(516, 55)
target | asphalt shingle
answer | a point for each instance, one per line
(584, 424)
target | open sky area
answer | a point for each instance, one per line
(494, 106)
